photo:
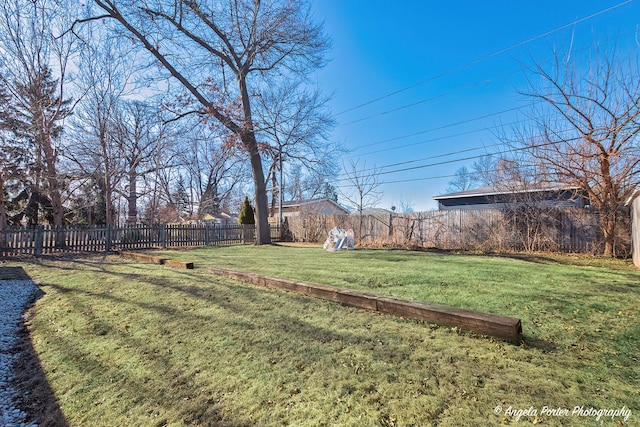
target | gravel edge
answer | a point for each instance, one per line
(15, 296)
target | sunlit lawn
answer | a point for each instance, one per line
(126, 343)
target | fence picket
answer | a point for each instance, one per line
(42, 240)
(566, 230)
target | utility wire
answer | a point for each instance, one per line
(484, 58)
(471, 86)
(448, 154)
(430, 178)
(449, 125)
(422, 101)
(428, 165)
(424, 141)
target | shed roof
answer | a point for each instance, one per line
(506, 189)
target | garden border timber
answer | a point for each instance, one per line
(503, 327)
(173, 263)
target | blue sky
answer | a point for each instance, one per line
(455, 87)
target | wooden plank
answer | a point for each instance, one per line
(358, 299)
(142, 257)
(504, 327)
(174, 263)
(508, 328)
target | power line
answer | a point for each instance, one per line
(424, 141)
(422, 101)
(397, 147)
(484, 58)
(428, 165)
(473, 119)
(451, 153)
(430, 178)
(471, 86)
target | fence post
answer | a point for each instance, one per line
(107, 239)
(39, 237)
(163, 235)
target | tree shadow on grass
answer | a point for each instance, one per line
(91, 364)
(539, 344)
(196, 410)
(35, 396)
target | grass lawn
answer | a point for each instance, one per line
(126, 343)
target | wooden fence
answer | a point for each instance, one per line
(48, 240)
(568, 230)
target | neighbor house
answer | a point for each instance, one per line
(311, 207)
(494, 197)
(222, 218)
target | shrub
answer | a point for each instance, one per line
(246, 213)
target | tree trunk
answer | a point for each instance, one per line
(608, 222)
(248, 137)
(132, 198)
(107, 178)
(274, 192)
(52, 180)
(3, 208)
(263, 235)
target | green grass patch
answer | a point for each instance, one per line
(126, 343)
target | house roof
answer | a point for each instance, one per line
(371, 211)
(221, 215)
(507, 189)
(307, 202)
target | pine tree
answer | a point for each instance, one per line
(246, 213)
(15, 159)
(40, 109)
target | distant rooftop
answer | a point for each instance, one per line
(310, 202)
(507, 189)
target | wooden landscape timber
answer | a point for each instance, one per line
(503, 327)
(173, 263)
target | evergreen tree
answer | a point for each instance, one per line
(14, 159)
(39, 110)
(329, 191)
(246, 213)
(180, 198)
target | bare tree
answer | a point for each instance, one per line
(141, 135)
(463, 180)
(29, 47)
(223, 53)
(103, 77)
(405, 205)
(304, 183)
(492, 171)
(362, 188)
(213, 169)
(294, 125)
(589, 121)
